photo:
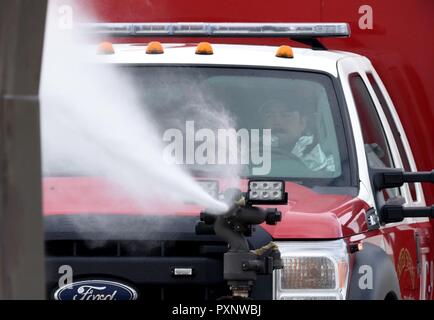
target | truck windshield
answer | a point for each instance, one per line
(256, 122)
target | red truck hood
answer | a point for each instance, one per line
(308, 215)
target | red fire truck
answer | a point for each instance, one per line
(354, 227)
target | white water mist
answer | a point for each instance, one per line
(93, 123)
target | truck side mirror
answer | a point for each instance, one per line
(393, 211)
(395, 178)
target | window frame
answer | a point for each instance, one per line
(396, 133)
(389, 139)
(352, 76)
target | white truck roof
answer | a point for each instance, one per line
(227, 54)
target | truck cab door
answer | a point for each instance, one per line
(379, 150)
(413, 191)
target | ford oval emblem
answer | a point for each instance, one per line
(95, 290)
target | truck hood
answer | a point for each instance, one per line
(308, 214)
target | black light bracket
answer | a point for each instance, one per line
(311, 42)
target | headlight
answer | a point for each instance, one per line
(316, 270)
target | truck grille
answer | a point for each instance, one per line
(98, 248)
(144, 262)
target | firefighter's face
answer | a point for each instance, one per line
(285, 123)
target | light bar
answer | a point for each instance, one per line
(266, 192)
(199, 29)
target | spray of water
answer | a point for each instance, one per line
(93, 123)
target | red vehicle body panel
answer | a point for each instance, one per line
(308, 215)
(400, 49)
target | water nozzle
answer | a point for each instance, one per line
(241, 265)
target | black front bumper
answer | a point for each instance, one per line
(142, 252)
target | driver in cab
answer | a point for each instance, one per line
(292, 134)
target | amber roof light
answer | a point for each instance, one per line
(154, 47)
(105, 48)
(284, 52)
(204, 48)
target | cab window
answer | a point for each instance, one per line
(394, 128)
(376, 145)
